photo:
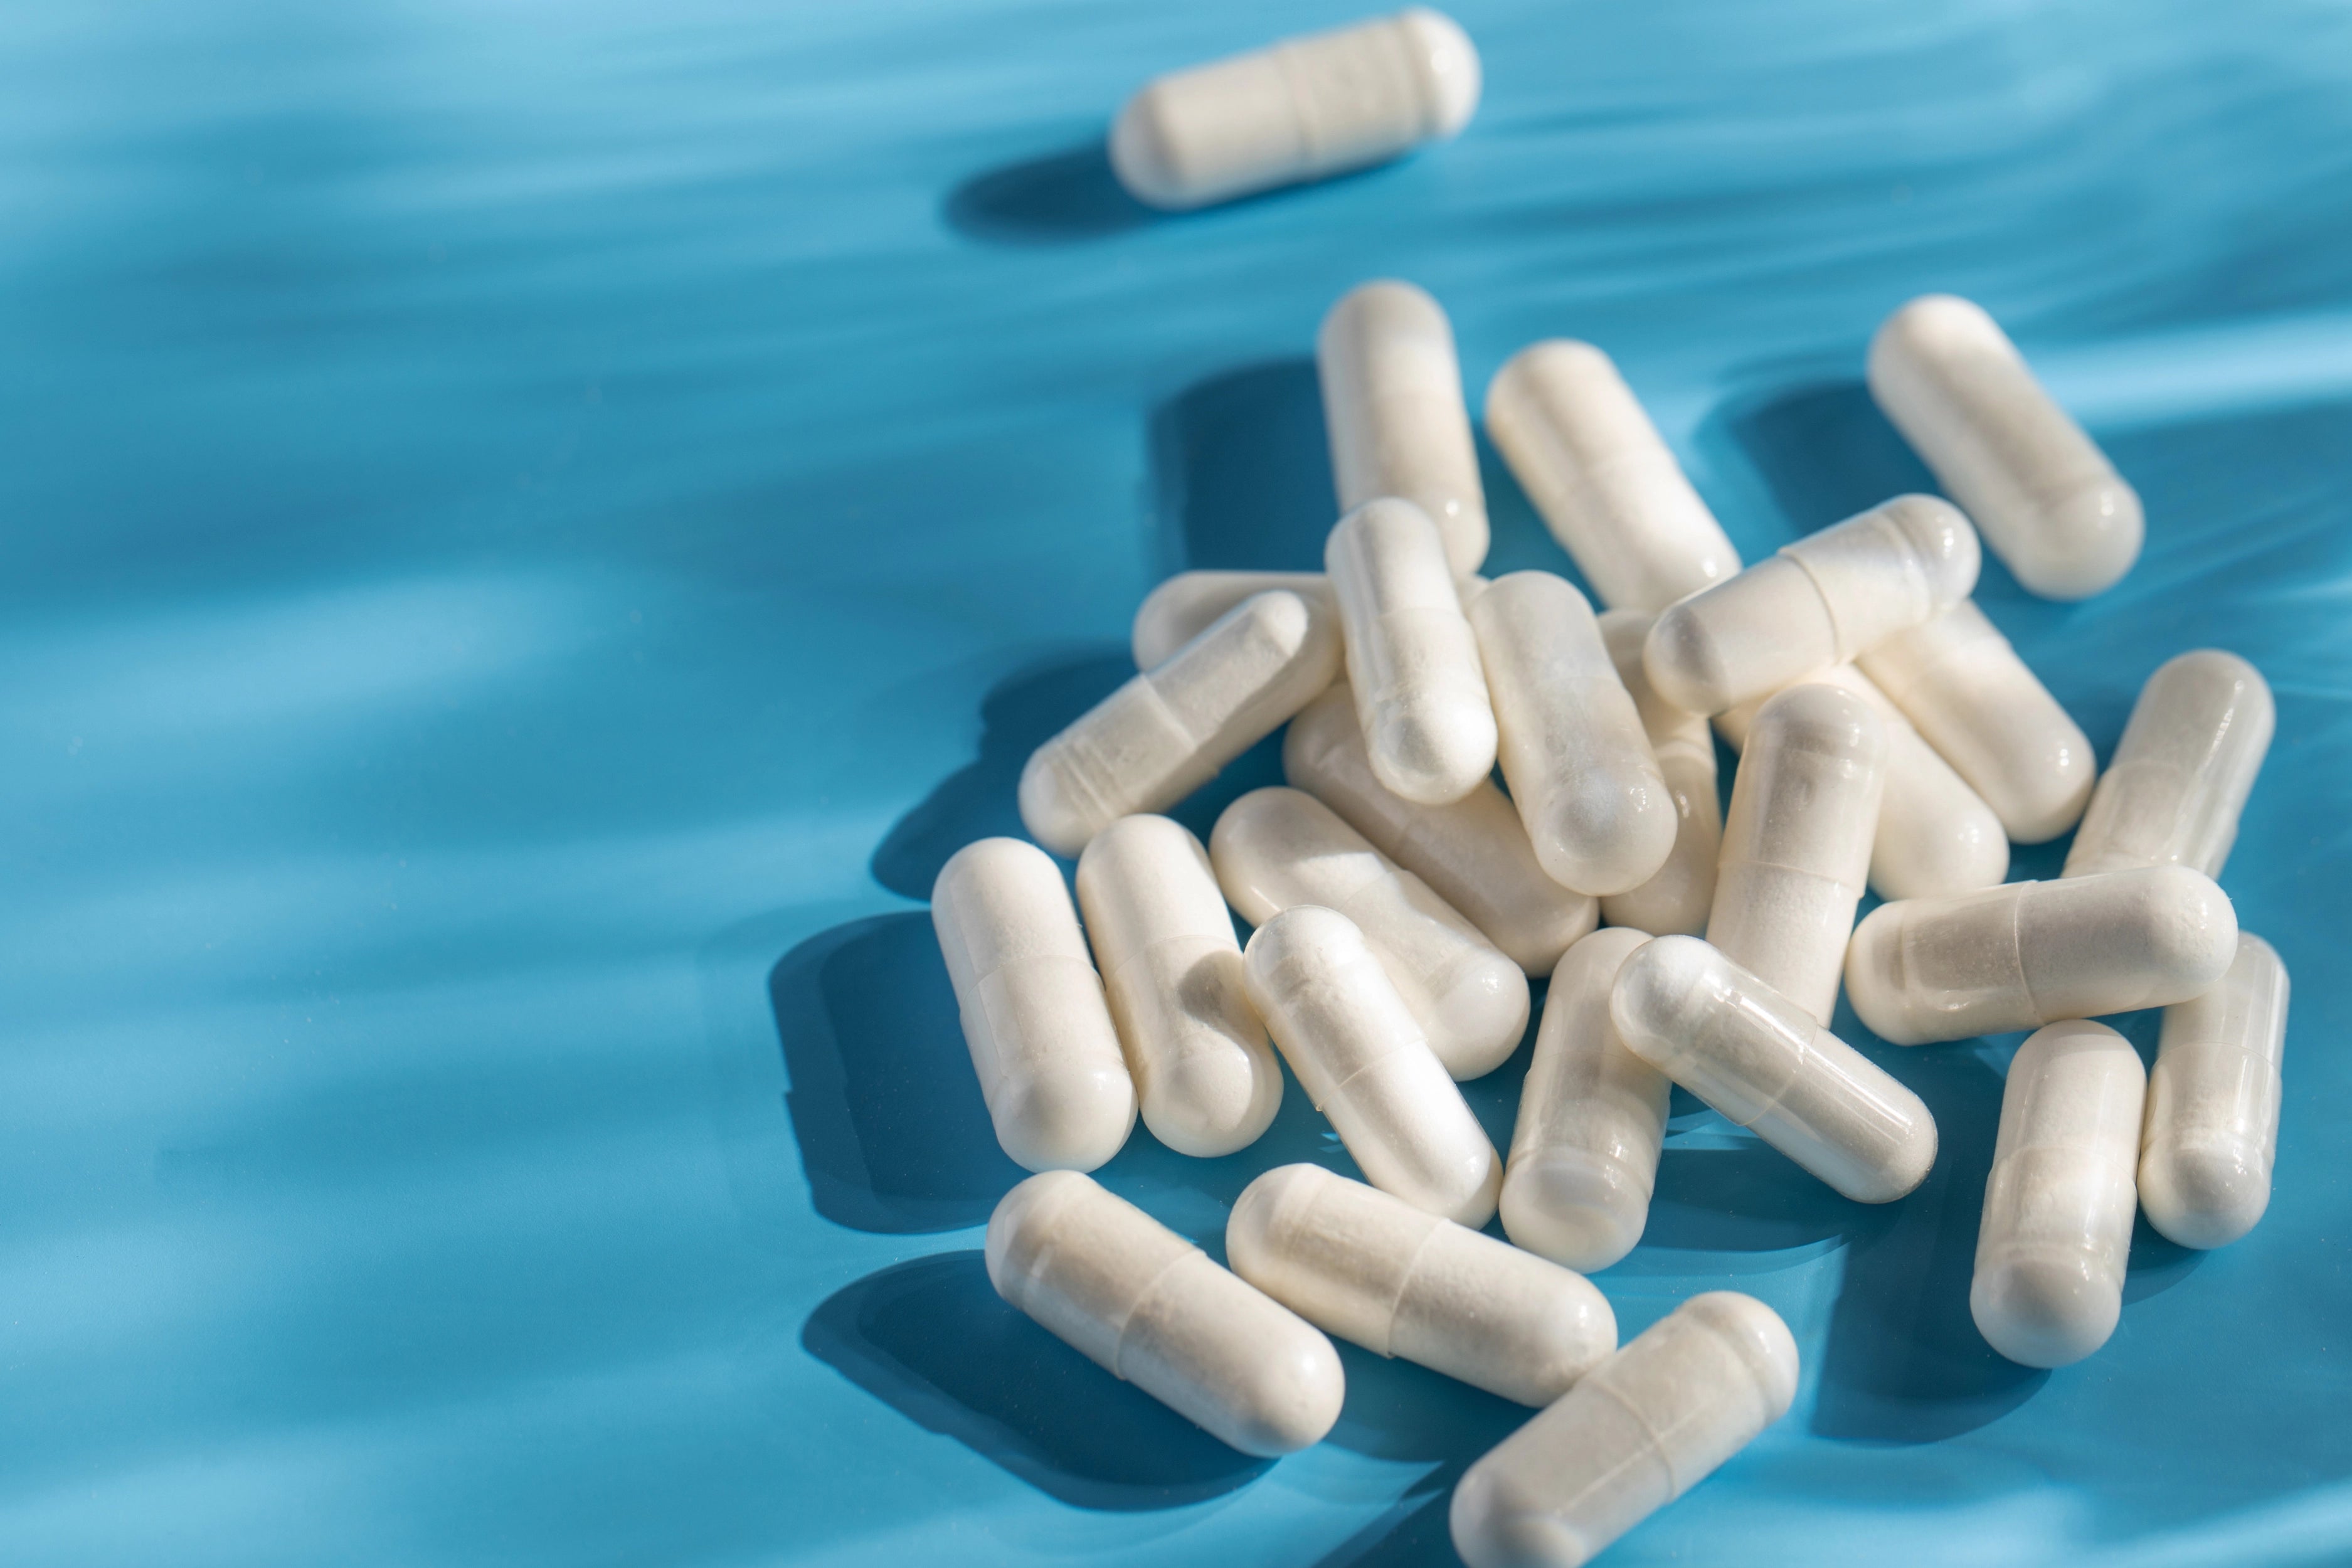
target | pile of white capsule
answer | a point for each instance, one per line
(1888, 735)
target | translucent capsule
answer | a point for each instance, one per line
(1299, 110)
(1166, 732)
(1392, 406)
(2212, 1129)
(1602, 478)
(1363, 1058)
(1190, 603)
(1762, 1062)
(2049, 1284)
(1421, 691)
(2182, 772)
(1958, 680)
(1033, 1015)
(1572, 742)
(2051, 505)
(1474, 854)
(1275, 849)
(2028, 953)
(1203, 1071)
(1151, 1309)
(1675, 901)
(1643, 1428)
(1819, 602)
(1592, 1117)
(1796, 844)
(1375, 1270)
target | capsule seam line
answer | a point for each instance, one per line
(1118, 1352)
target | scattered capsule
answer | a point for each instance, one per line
(2051, 505)
(1675, 900)
(2214, 1104)
(1032, 1009)
(1392, 406)
(1363, 1061)
(1190, 603)
(1166, 732)
(2057, 1226)
(2029, 953)
(1380, 1273)
(2182, 770)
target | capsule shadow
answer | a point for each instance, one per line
(1241, 470)
(1747, 1199)
(1396, 1410)
(1061, 198)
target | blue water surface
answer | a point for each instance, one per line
(531, 531)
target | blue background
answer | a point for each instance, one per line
(531, 531)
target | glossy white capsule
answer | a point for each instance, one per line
(1570, 739)
(1796, 844)
(1275, 849)
(1363, 1061)
(1203, 1071)
(1474, 854)
(1392, 406)
(1190, 603)
(2049, 502)
(1960, 680)
(1151, 1308)
(1166, 732)
(1592, 1117)
(1380, 1273)
(1762, 1062)
(1602, 478)
(1643, 1428)
(1040, 1037)
(1413, 660)
(2057, 1226)
(1676, 899)
(2028, 953)
(1819, 602)
(1303, 109)
(2181, 773)
(2212, 1129)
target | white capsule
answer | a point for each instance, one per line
(1203, 1069)
(1363, 1058)
(1190, 603)
(2181, 773)
(1761, 1061)
(2211, 1129)
(1643, 1428)
(1303, 109)
(1033, 1015)
(2057, 1225)
(1819, 602)
(1421, 691)
(1960, 680)
(1151, 1308)
(1392, 406)
(1796, 845)
(1592, 1117)
(1166, 732)
(2051, 505)
(1380, 1273)
(2029, 953)
(1474, 854)
(1275, 849)
(1675, 901)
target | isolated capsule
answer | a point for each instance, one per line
(2212, 1129)
(1592, 1117)
(2049, 502)
(1050, 1069)
(1190, 603)
(1819, 602)
(1151, 1309)
(1166, 732)
(1643, 1428)
(1392, 406)
(1362, 1059)
(1275, 849)
(1474, 853)
(1676, 897)
(2181, 773)
(1303, 109)
(2049, 1284)
(1203, 1071)
(2029, 953)
(1380, 1273)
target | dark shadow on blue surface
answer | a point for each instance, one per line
(1399, 1411)
(1822, 449)
(932, 1339)
(1056, 199)
(2156, 1265)
(1753, 1199)
(1241, 470)
(893, 1133)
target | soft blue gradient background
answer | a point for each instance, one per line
(532, 529)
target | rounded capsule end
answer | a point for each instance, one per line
(2193, 931)
(1762, 1340)
(1662, 994)
(1874, 976)
(1935, 324)
(1143, 154)
(1946, 543)
(1478, 1018)
(1290, 1400)
(1582, 1210)
(1448, 62)
(1065, 1121)
(1015, 1228)
(1213, 1100)
(1062, 819)
(1495, 1524)
(1435, 753)
(2204, 1195)
(1685, 665)
(1827, 720)
(1249, 1229)
(2088, 538)
(1608, 835)
(2046, 1311)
